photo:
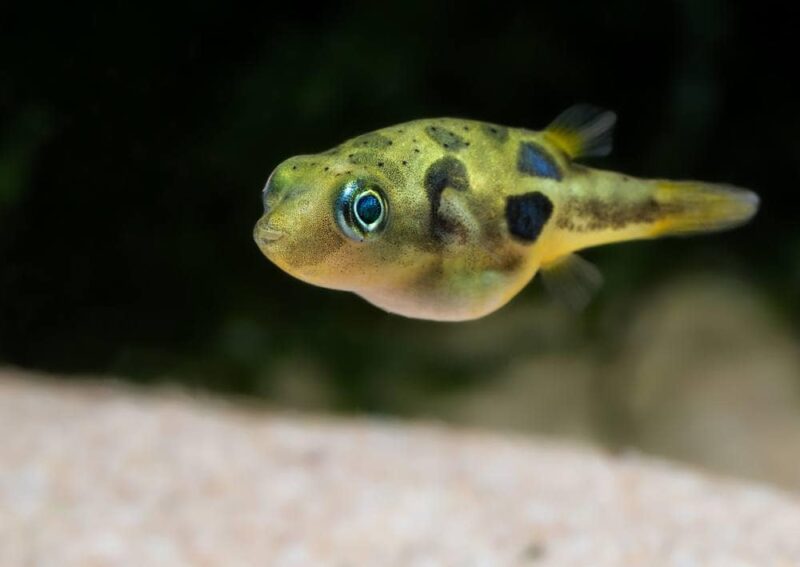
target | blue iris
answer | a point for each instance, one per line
(368, 208)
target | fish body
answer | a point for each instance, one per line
(448, 219)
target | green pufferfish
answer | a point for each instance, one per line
(448, 219)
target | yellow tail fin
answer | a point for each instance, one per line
(692, 206)
(616, 208)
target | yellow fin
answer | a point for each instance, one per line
(572, 280)
(693, 206)
(583, 130)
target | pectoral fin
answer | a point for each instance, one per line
(582, 131)
(573, 280)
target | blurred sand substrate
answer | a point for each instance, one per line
(95, 474)
(701, 370)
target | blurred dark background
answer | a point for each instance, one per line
(134, 143)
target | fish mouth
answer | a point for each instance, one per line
(265, 234)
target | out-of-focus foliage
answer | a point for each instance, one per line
(135, 142)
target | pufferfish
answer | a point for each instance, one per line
(448, 219)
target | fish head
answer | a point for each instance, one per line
(338, 224)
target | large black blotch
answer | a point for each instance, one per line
(443, 173)
(527, 214)
(448, 139)
(534, 160)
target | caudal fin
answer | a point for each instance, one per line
(690, 207)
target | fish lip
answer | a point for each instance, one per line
(265, 233)
(268, 234)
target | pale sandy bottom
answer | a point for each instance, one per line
(101, 475)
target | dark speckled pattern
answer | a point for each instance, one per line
(443, 173)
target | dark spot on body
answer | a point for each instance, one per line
(534, 160)
(445, 138)
(416, 150)
(447, 172)
(497, 133)
(527, 214)
(380, 164)
(361, 158)
(405, 162)
(373, 140)
(294, 167)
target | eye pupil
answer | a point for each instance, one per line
(369, 208)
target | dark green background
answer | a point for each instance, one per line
(134, 144)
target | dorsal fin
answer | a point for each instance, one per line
(582, 131)
(572, 280)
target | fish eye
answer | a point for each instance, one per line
(369, 209)
(360, 210)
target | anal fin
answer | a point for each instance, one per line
(583, 130)
(573, 280)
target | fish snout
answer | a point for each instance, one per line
(266, 233)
